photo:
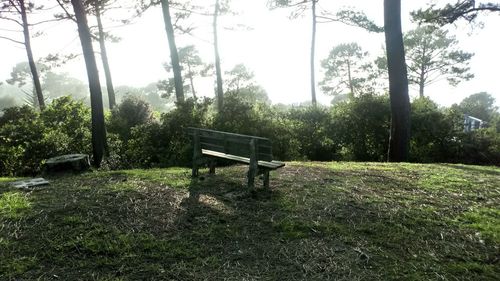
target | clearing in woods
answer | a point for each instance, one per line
(319, 221)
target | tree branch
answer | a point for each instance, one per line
(10, 30)
(68, 14)
(465, 9)
(12, 40)
(47, 21)
(273, 5)
(14, 5)
(13, 20)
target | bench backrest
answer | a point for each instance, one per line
(231, 143)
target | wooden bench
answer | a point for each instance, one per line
(251, 150)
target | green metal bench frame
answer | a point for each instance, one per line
(251, 150)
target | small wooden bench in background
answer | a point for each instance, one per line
(251, 150)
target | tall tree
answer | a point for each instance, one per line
(219, 8)
(312, 58)
(346, 70)
(218, 70)
(241, 82)
(432, 55)
(191, 65)
(54, 85)
(11, 10)
(21, 76)
(398, 83)
(174, 12)
(301, 6)
(480, 105)
(349, 17)
(99, 6)
(99, 144)
(174, 56)
(467, 10)
(239, 77)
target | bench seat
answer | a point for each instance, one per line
(273, 165)
(254, 151)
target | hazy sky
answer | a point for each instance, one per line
(276, 49)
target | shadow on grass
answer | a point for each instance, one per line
(313, 224)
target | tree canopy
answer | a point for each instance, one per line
(479, 105)
(467, 10)
(422, 56)
(432, 55)
(346, 70)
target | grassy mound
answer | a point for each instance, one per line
(319, 221)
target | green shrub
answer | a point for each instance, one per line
(282, 133)
(431, 132)
(132, 111)
(166, 143)
(21, 134)
(27, 137)
(480, 147)
(239, 115)
(68, 125)
(117, 157)
(356, 129)
(9, 159)
(362, 125)
(146, 146)
(311, 127)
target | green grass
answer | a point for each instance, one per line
(319, 221)
(7, 180)
(13, 205)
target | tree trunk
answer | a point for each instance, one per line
(421, 86)
(104, 57)
(191, 81)
(313, 52)
(349, 76)
(218, 71)
(174, 56)
(98, 128)
(31, 61)
(421, 82)
(34, 98)
(398, 83)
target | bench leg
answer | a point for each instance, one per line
(266, 179)
(211, 165)
(196, 154)
(194, 171)
(251, 177)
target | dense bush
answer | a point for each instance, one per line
(432, 132)
(145, 147)
(480, 146)
(362, 126)
(356, 129)
(21, 133)
(70, 120)
(28, 137)
(166, 143)
(311, 128)
(240, 116)
(132, 111)
(480, 105)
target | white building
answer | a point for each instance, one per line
(472, 123)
